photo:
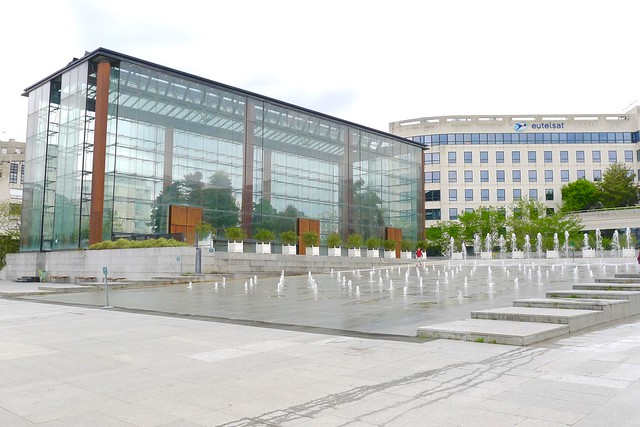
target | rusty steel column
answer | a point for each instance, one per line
(246, 210)
(99, 152)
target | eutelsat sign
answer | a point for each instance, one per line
(521, 127)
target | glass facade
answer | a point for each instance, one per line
(175, 139)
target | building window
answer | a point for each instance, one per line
(533, 194)
(431, 158)
(22, 173)
(597, 175)
(515, 175)
(453, 195)
(501, 194)
(595, 156)
(548, 175)
(550, 211)
(432, 177)
(515, 157)
(548, 194)
(564, 175)
(580, 156)
(468, 157)
(532, 157)
(564, 157)
(499, 156)
(628, 155)
(613, 156)
(432, 196)
(453, 176)
(581, 174)
(453, 213)
(500, 176)
(484, 157)
(468, 176)
(484, 176)
(548, 157)
(533, 176)
(468, 195)
(432, 214)
(452, 156)
(484, 195)
(517, 194)
(13, 173)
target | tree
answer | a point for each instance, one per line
(368, 214)
(579, 195)
(617, 188)
(482, 221)
(9, 230)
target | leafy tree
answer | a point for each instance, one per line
(484, 220)
(617, 188)
(368, 214)
(579, 195)
(9, 230)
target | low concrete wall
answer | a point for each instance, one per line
(141, 264)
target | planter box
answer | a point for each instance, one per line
(373, 253)
(553, 255)
(406, 255)
(456, 256)
(517, 255)
(313, 251)
(486, 255)
(390, 254)
(288, 249)
(588, 253)
(354, 252)
(235, 247)
(334, 251)
(263, 248)
(628, 253)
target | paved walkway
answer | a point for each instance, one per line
(76, 366)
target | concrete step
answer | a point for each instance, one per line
(576, 319)
(627, 275)
(494, 331)
(63, 288)
(595, 294)
(617, 280)
(569, 303)
(608, 286)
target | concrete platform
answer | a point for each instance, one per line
(597, 294)
(494, 331)
(569, 303)
(608, 286)
(576, 319)
(618, 280)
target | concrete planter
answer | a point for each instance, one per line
(334, 251)
(486, 255)
(373, 253)
(517, 255)
(390, 254)
(553, 255)
(355, 252)
(456, 256)
(313, 251)
(628, 253)
(588, 253)
(288, 249)
(406, 255)
(263, 248)
(236, 247)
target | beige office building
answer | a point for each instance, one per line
(11, 170)
(473, 161)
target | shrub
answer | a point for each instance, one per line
(289, 237)
(334, 240)
(373, 243)
(408, 245)
(310, 238)
(235, 233)
(389, 245)
(264, 236)
(354, 241)
(133, 244)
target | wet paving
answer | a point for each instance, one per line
(388, 301)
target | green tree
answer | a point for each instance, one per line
(484, 220)
(219, 208)
(617, 187)
(9, 230)
(367, 205)
(579, 195)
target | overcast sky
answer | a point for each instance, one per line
(370, 62)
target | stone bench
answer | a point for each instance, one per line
(80, 279)
(58, 279)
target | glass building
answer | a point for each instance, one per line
(113, 141)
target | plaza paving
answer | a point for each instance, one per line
(66, 361)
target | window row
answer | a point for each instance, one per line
(516, 175)
(532, 156)
(528, 138)
(501, 195)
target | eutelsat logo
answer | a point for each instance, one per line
(520, 127)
